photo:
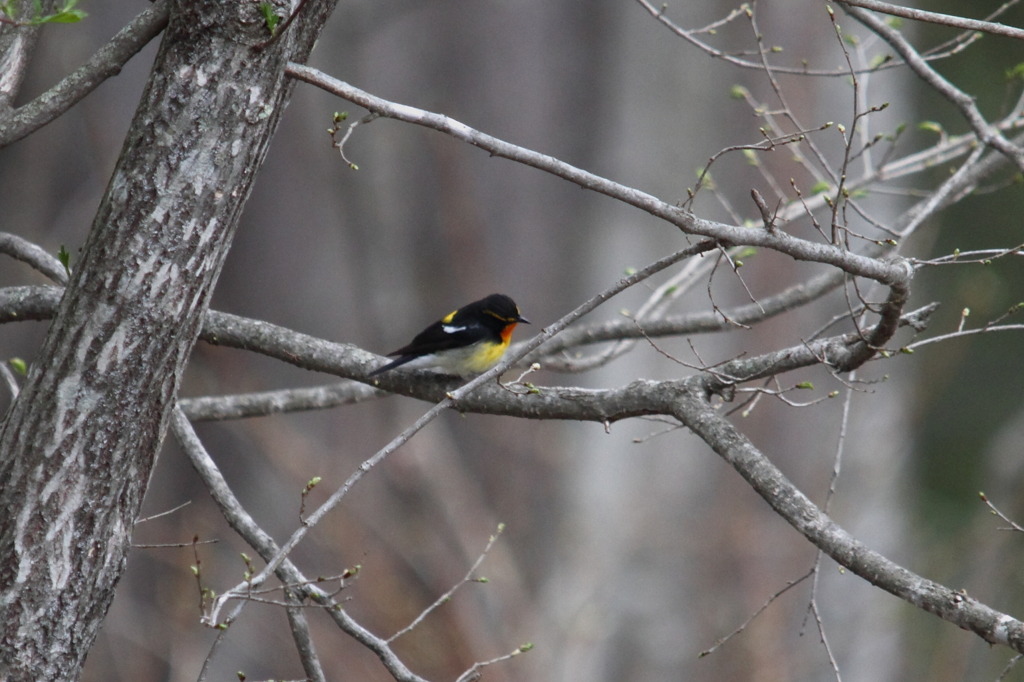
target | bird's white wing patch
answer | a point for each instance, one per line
(451, 329)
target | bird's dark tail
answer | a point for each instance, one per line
(391, 365)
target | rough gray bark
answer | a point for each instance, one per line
(77, 447)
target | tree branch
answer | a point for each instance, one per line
(884, 272)
(988, 134)
(17, 43)
(22, 249)
(222, 407)
(936, 18)
(599, 405)
(688, 323)
(695, 411)
(243, 524)
(106, 63)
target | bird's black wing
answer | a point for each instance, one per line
(442, 336)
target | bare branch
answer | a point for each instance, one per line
(936, 18)
(15, 52)
(1013, 524)
(696, 412)
(106, 63)
(887, 273)
(218, 408)
(303, 640)
(988, 134)
(444, 598)
(22, 249)
(259, 540)
(605, 405)
(793, 583)
(474, 672)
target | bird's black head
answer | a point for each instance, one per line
(500, 307)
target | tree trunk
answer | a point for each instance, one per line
(78, 445)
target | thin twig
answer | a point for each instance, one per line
(824, 640)
(243, 523)
(474, 672)
(163, 513)
(176, 545)
(444, 598)
(1004, 517)
(748, 621)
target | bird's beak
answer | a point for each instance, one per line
(522, 319)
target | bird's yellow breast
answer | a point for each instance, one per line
(486, 356)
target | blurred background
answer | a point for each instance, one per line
(621, 561)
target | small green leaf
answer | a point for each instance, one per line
(19, 366)
(805, 385)
(930, 126)
(819, 187)
(878, 60)
(65, 15)
(1016, 72)
(738, 92)
(270, 17)
(65, 258)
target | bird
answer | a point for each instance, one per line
(464, 342)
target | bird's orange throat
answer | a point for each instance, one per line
(506, 333)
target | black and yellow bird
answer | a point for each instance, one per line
(467, 341)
